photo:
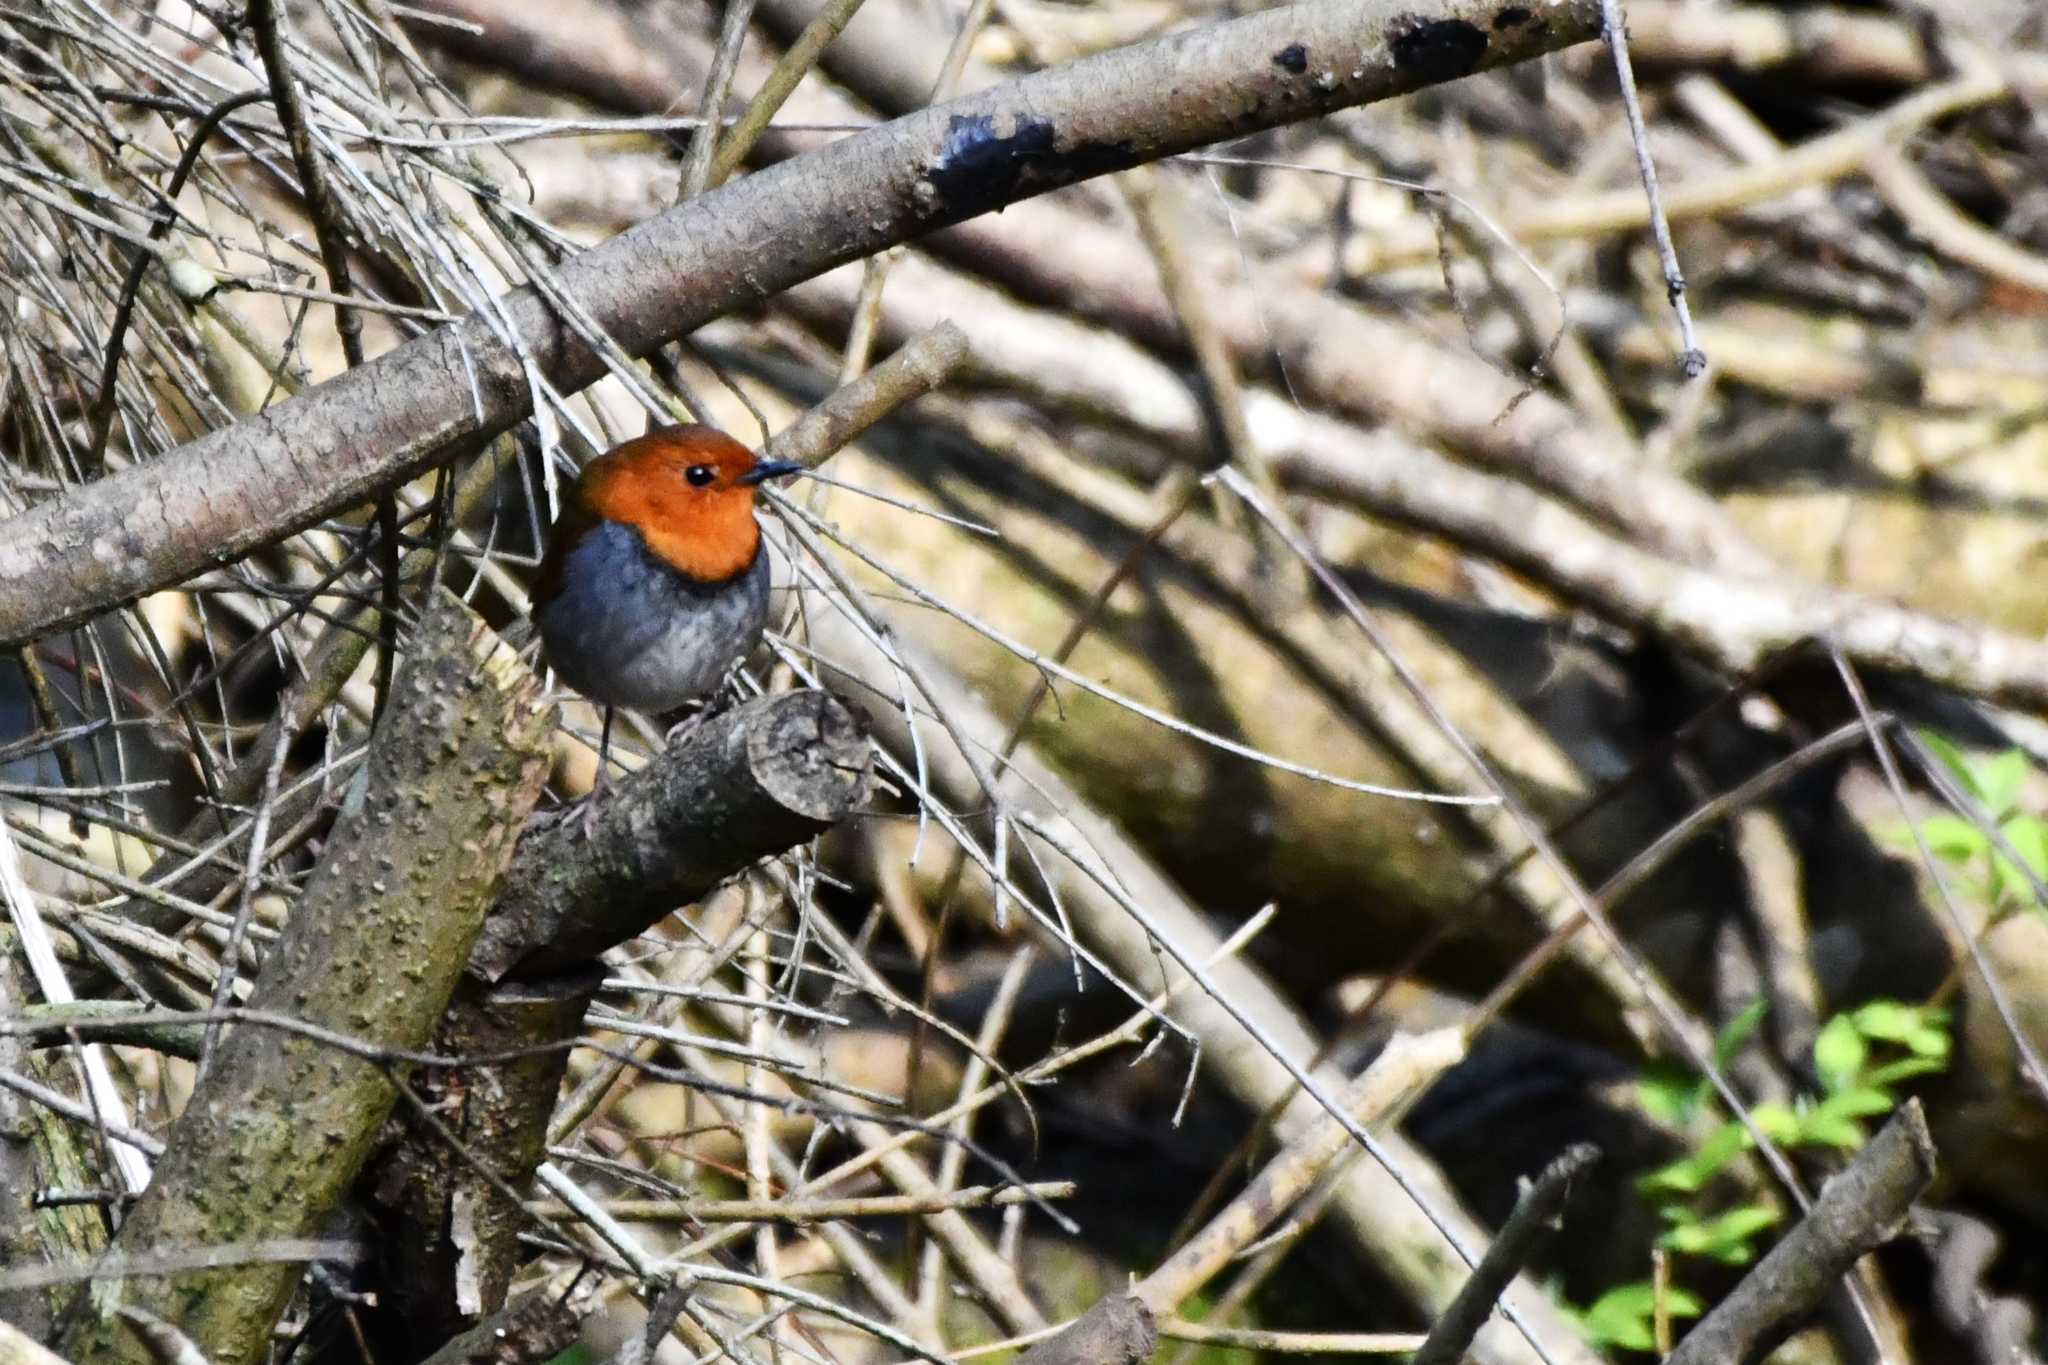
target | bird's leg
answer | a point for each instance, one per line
(604, 767)
(682, 728)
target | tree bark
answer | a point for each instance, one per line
(280, 1123)
(743, 785)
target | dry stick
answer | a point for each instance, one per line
(745, 784)
(996, 1280)
(165, 1343)
(259, 838)
(1084, 621)
(1398, 1212)
(1152, 201)
(19, 1348)
(789, 72)
(58, 1103)
(1292, 1343)
(795, 1209)
(917, 367)
(104, 403)
(329, 664)
(1535, 1218)
(105, 1107)
(1041, 354)
(1125, 1034)
(43, 701)
(732, 36)
(1821, 159)
(593, 1089)
(1404, 1067)
(1692, 361)
(370, 428)
(528, 1331)
(860, 336)
(445, 1197)
(326, 212)
(1859, 1210)
(1929, 213)
(757, 1135)
(953, 1160)
(1118, 1330)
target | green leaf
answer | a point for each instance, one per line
(1823, 1126)
(1625, 1315)
(1999, 779)
(1954, 759)
(2009, 885)
(1690, 1175)
(1670, 1093)
(1727, 1238)
(2028, 835)
(1831, 1131)
(1954, 839)
(1887, 1020)
(1620, 1318)
(1891, 1073)
(1738, 1030)
(1931, 1042)
(1747, 1221)
(1839, 1052)
(1858, 1101)
(1776, 1122)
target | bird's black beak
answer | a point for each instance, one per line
(771, 469)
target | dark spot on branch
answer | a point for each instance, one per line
(1434, 50)
(1514, 16)
(979, 168)
(1293, 57)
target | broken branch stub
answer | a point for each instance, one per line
(740, 786)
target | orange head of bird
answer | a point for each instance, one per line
(688, 491)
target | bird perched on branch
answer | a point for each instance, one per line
(654, 583)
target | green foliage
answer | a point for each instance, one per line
(1858, 1057)
(1626, 1316)
(1995, 782)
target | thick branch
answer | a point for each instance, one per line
(450, 1235)
(335, 445)
(746, 784)
(1118, 1330)
(280, 1124)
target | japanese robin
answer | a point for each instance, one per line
(654, 584)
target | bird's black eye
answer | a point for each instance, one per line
(700, 475)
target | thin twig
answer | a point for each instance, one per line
(1692, 361)
(1535, 1218)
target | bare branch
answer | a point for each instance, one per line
(343, 441)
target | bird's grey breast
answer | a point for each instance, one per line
(629, 630)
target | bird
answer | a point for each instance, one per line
(654, 584)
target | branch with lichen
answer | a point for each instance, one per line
(374, 948)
